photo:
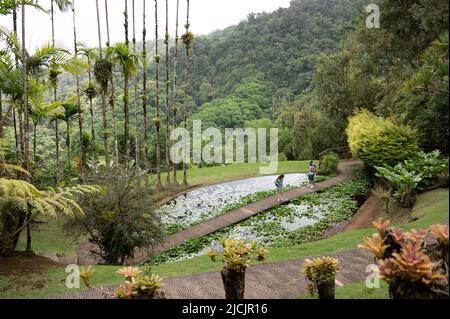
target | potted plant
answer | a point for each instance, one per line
(139, 284)
(415, 263)
(237, 256)
(321, 275)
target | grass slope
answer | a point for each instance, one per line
(217, 174)
(430, 208)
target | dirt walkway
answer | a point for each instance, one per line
(278, 280)
(366, 215)
(345, 173)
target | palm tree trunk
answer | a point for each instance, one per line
(157, 120)
(126, 109)
(68, 147)
(112, 100)
(103, 94)
(55, 97)
(80, 115)
(58, 165)
(34, 141)
(91, 111)
(25, 93)
(167, 149)
(25, 116)
(16, 134)
(21, 121)
(125, 96)
(136, 114)
(1, 115)
(186, 93)
(144, 96)
(174, 99)
(93, 139)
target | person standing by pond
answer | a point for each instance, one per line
(279, 184)
(312, 173)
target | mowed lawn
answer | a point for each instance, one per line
(217, 174)
(430, 208)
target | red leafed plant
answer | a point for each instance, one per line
(413, 265)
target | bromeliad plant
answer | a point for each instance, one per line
(139, 284)
(321, 276)
(413, 266)
(237, 257)
(238, 254)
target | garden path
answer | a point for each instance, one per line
(277, 280)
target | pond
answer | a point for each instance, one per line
(301, 220)
(209, 201)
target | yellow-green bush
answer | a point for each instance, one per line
(378, 141)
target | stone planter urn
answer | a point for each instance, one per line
(234, 283)
(326, 289)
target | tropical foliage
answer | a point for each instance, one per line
(409, 263)
(413, 174)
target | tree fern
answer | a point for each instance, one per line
(19, 197)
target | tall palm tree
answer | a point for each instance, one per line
(16, 135)
(174, 90)
(104, 88)
(136, 114)
(77, 79)
(24, 120)
(1, 114)
(120, 54)
(167, 149)
(157, 120)
(39, 111)
(91, 93)
(144, 94)
(188, 38)
(11, 7)
(70, 109)
(126, 102)
(112, 99)
(63, 6)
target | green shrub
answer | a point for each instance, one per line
(328, 164)
(431, 166)
(121, 218)
(413, 174)
(378, 141)
(405, 182)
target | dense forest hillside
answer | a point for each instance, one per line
(279, 48)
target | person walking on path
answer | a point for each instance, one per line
(279, 184)
(312, 173)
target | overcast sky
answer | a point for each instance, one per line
(206, 16)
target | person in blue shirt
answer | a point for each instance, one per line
(312, 173)
(279, 184)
